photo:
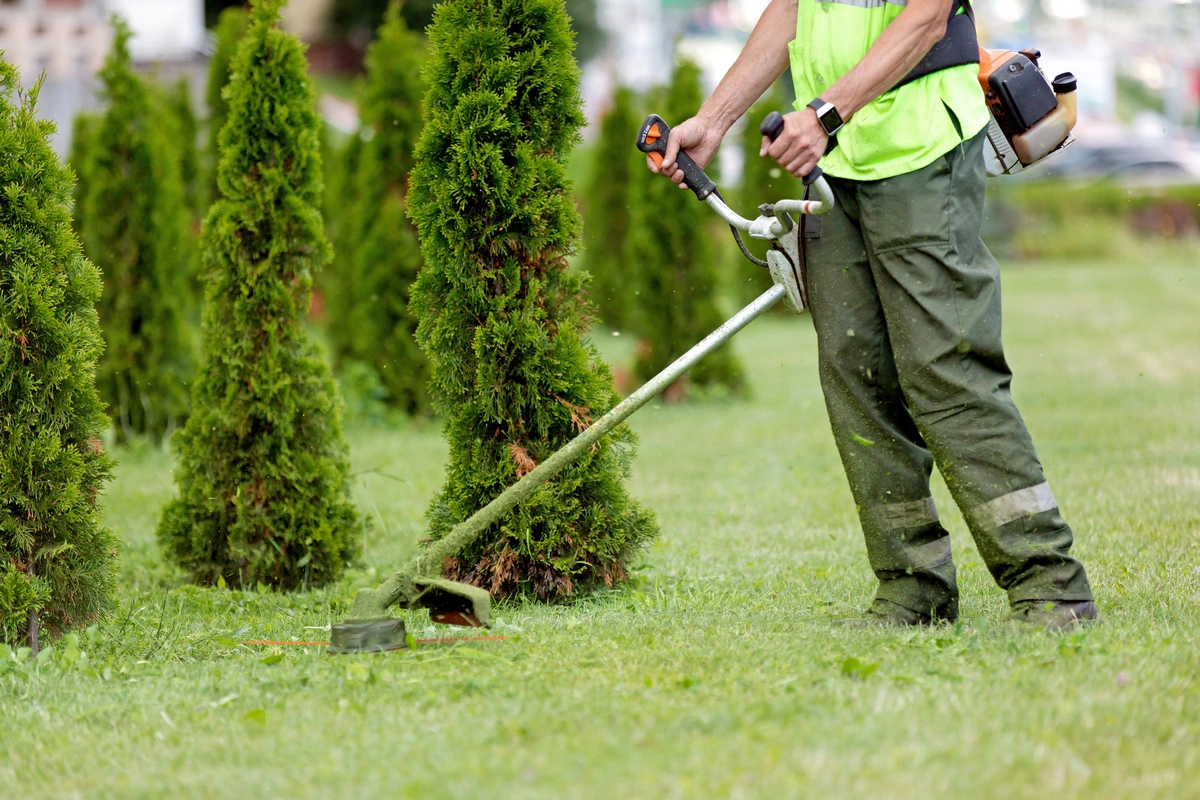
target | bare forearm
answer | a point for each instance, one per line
(897, 50)
(761, 62)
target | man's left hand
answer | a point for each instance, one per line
(801, 144)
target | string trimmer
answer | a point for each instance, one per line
(369, 628)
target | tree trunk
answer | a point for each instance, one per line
(33, 630)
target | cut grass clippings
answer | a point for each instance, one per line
(717, 671)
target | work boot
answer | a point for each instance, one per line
(1055, 615)
(884, 613)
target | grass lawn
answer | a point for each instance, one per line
(718, 671)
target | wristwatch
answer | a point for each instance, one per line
(827, 115)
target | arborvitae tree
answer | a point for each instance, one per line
(83, 131)
(231, 25)
(134, 226)
(503, 320)
(264, 493)
(339, 160)
(763, 181)
(179, 103)
(57, 561)
(369, 320)
(670, 244)
(606, 213)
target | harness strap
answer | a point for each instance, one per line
(959, 46)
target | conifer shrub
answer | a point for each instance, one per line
(134, 227)
(503, 321)
(263, 475)
(615, 162)
(186, 131)
(763, 181)
(378, 257)
(83, 130)
(56, 558)
(230, 27)
(670, 249)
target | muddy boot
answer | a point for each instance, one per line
(1055, 616)
(884, 613)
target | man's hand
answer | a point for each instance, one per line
(698, 138)
(801, 144)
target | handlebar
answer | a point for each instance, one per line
(775, 220)
(771, 127)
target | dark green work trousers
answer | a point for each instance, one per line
(905, 298)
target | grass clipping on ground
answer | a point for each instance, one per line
(717, 672)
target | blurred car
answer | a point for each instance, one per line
(1133, 163)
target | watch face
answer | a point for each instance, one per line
(830, 120)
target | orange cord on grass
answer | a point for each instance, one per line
(419, 641)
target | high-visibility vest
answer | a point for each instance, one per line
(900, 131)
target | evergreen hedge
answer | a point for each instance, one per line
(615, 162)
(503, 320)
(670, 245)
(378, 255)
(264, 493)
(134, 227)
(56, 558)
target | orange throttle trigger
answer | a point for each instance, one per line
(652, 136)
(652, 140)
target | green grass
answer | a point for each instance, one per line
(717, 672)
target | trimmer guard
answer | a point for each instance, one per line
(452, 603)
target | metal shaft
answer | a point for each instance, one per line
(430, 561)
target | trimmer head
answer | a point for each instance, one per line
(368, 636)
(370, 630)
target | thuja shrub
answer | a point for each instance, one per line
(615, 162)
(134, 226)
(379, 257)
(503, 320)
(263, 471)
(57, 561)
(231, 25)
(186, 132)
(83, 130)
(670, 244)
(763, 181)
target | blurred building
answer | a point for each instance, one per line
(308, 19)
(67, 40)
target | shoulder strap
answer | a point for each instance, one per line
(959, 46)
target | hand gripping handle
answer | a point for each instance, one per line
(771, 127)
(652, 140)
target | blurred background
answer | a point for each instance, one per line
(1130, 176)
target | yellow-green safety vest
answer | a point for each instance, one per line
(903, 129)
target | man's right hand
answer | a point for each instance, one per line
(800, 145)
(698, 138)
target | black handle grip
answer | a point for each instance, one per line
(771, 127)
(652, 140)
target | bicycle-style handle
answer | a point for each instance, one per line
(771, 127)
(652, 140)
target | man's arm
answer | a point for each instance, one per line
(762, 60)
(902, 44)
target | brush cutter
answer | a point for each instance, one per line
(369, 628)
